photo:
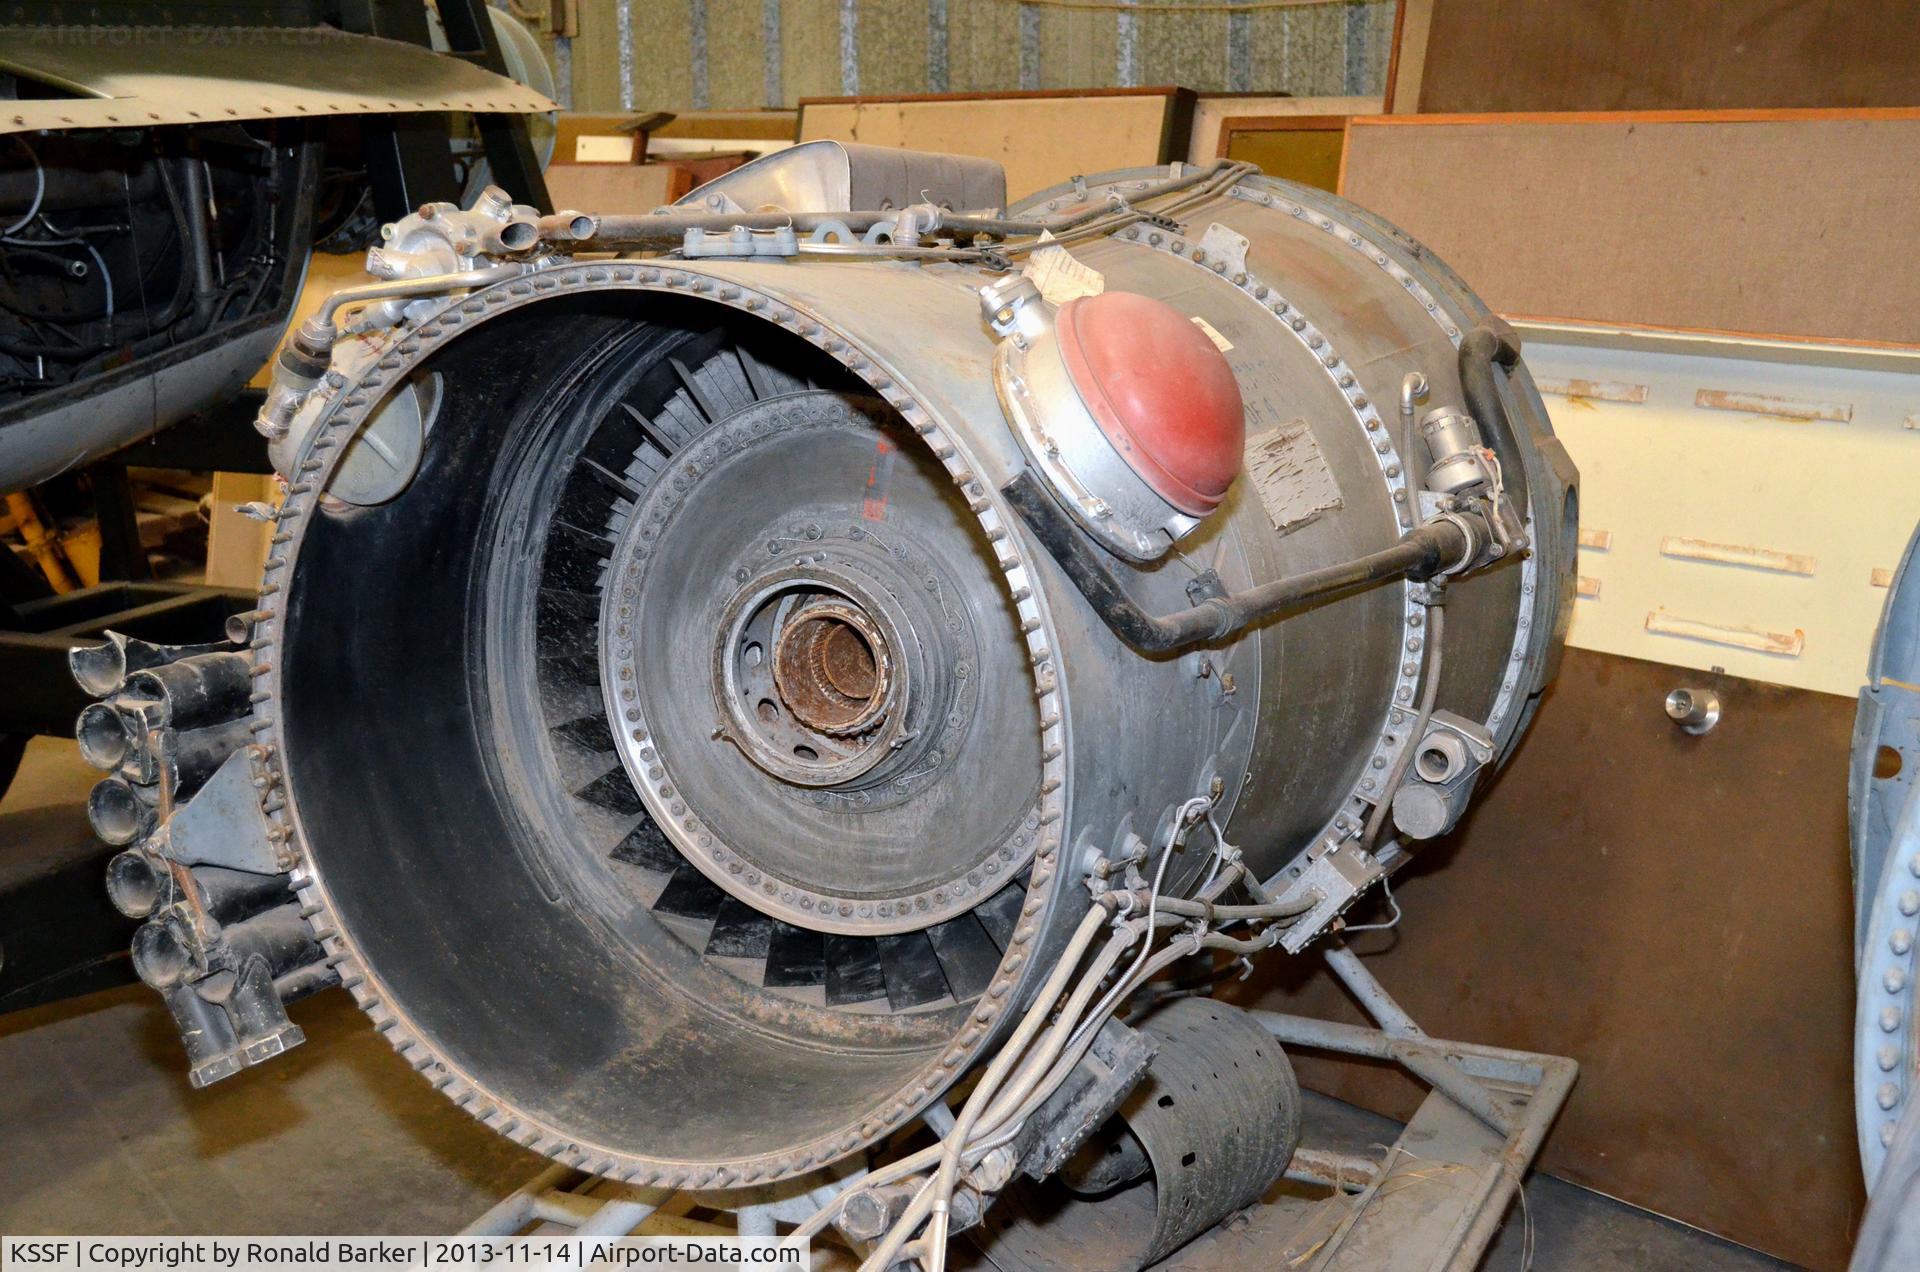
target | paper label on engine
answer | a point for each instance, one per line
(1060, 275)
(1291, 475)
(1220, 342)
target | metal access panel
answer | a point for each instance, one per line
(132, 76)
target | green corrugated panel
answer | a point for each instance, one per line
(662, 55)
(736, 77)
(1077, 50)
(810, 48)
(1188, 49)
(893, 46)
(983, 46)
(1302, 51)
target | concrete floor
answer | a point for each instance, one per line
(100, 1133)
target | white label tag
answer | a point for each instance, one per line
(1220, 342)
(1061, 276)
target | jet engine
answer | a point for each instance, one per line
(724, 676)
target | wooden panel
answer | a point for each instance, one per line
(1042, 138)
(1212, 111)
(1303, 148)
(627, 188)
(1784, 223)
(1673, 912)
(1655, 54)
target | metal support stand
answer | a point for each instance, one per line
(1481, 1126)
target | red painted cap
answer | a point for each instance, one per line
(1161, 392)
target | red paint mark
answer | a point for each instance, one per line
(874, 508)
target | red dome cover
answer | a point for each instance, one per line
(1161, 392)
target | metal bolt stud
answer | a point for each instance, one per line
(1695, 710)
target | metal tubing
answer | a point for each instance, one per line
(1373, 996)
(322, 321)
(1492, 342)
(120, 811)
(198, 245)
(1556, 1080)
(207, 689)
(279, 936)
(134, 883)
(231, 896)
(670, 227)
(1422, 553)
(1326, 1035)
(103, 736)
(103, 669)
(513, 1212)
(1438, 1071)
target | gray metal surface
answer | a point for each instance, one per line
(43, 446)
(1884, 816)
(838, 176)
(1120, 739)
(127, 77)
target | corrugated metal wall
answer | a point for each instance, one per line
(744, 54)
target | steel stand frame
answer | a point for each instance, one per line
(1483, 1121)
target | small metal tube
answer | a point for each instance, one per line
(134, 883)
(669, 227)
(1420, 554)
(163, 952)
(279, 936)
(198, 246)
(321, 325)
(120, 811)
(1373, 996)
(232, 896)
(513, 1212)
(103, 735)
(1329, 1169)
(207, 689)
(568, 227)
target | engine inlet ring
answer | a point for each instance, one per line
(343, 409)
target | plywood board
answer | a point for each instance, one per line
(1212, 112)
(1655, 54)
(1042, 138)
(1302, 148)
(617, 188)
(1778, 222)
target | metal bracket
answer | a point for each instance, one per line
(1339, 874)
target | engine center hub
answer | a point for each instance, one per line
(831, 668)
(810, 678)
(865, 673)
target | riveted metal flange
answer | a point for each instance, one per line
(345, 407)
